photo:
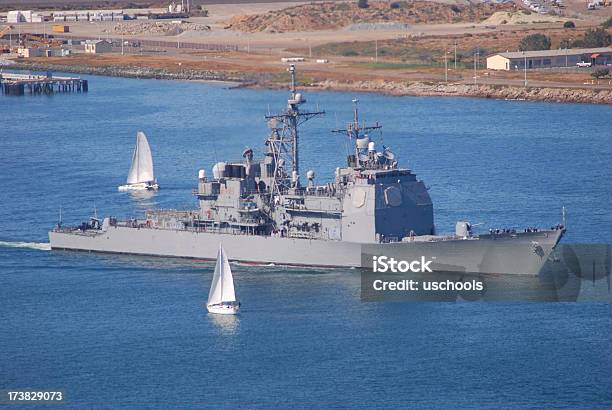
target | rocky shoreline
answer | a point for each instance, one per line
(416, 88)
(567, 95)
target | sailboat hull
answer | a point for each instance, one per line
(138, 187)
(223, 309)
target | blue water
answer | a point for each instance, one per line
(131, 331)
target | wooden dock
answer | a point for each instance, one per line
(20, 84)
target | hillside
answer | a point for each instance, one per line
(329, 16)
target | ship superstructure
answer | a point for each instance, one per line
(370, 200)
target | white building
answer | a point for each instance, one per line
(106, 15)
(98, 46)
(29, 52)
(57, 52)
(15, 16)
(518, 60)
(23, 16)
(71, 16)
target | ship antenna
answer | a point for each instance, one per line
(59, 223)
(95, 211)
(356, 117)
(564, 213)
(292, 72)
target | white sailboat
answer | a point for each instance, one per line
(222, 296)
(141, 176)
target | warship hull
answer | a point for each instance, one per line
(519, 253)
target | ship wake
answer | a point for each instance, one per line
(41, 246)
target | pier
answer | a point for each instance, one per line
(20, 84)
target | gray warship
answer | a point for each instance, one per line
(262, 213)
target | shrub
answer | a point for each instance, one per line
(534, 42)
(395, 5)
(350, 53)
(569, 24)
(607, 23)
(596, 38)
(362, 4)
(602, 72)
(455, 8)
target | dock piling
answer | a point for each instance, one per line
(16, 84)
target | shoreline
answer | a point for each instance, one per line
(388, 87)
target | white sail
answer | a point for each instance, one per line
(142, 161)
(222, 287)
(228, 294)
(214, 296)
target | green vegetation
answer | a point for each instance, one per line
(455, 8)
(349, 53)
(600, 73)
(397, 4)
(569, 24)
(381, 65)
(535, 42)
(362, 4)
(285, 77)
(592, 38)
(607, 23)
(343, 7)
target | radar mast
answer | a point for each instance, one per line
(357, 132)
(283, 141)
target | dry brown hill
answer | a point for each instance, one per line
(329, 16)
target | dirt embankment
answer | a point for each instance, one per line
(155, 27)
(593, 96)
(430, 49)
(335, 15)
(135, 71)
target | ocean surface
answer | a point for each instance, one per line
(132, 331)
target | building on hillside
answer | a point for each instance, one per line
(549, 58)
(98, 46)
(29, 52)
(57, 52)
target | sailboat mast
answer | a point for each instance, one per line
(221, 258)
(137, 157)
